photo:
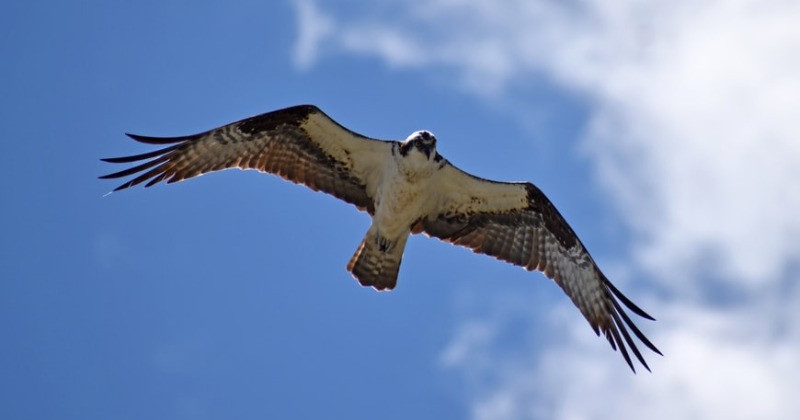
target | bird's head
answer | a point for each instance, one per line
(422, 141)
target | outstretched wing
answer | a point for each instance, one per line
(515, 222)
(300, 144)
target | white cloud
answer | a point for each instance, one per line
(313, 28)
(718, 365)
(694, 133)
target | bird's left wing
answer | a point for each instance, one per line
(301, 144)
(516, 223)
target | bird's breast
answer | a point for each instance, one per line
(400, 203)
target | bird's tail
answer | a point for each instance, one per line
(377, 261)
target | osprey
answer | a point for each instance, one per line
(406, 187)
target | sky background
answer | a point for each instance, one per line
(666, 134)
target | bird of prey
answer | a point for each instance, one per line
(406, 187)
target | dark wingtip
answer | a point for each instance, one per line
(622, 348)
(121, 187)
(632, 306)
(636, 330)
(158, 140)
(142, 156)
(621, 320)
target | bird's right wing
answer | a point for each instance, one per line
(301, 144)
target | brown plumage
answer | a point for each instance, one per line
(407, 187)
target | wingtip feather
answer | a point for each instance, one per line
(628, 303)
(157, 140)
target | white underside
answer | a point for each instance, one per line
(404, 195)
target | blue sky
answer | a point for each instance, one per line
(227, 295)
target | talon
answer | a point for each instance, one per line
(384, 244)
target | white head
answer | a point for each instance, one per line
(422, 141)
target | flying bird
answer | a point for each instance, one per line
(406, 187)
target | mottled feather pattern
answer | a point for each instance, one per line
(538, 238)
(277, 145)
(377, 267)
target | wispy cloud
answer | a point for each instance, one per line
(720, 364)
(693, 133)
(313, 27)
